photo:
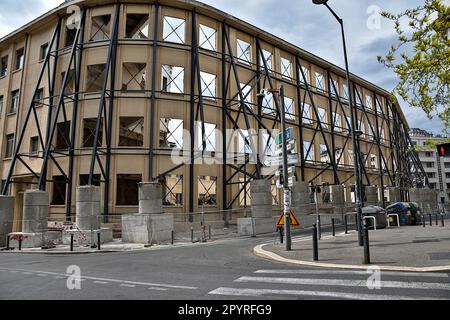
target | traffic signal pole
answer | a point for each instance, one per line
(287, 191)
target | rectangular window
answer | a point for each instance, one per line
(268, 58)
(307, 74)
(268, 145)
(174, 30)
(100, 29)
(3, 66)
(358, 98)
(34, 145)
(346, 92)
(14, 101)
(429, 165)
(289, 108)
(244, 51)
(447, 165)
(334, 88)
(70, 86)
(244, 141)
(337, 122)
(207, 191)
(286, 68)
(9, 150)
(89, 126)
(172, 79)
(267, 103)
(62, 136)
(39, 97)
(1, 104)
(362, 127)
(308, 151)
(208, 83)
(137, 26)
(320, 82)
(245, 197)
(210, 137)
(71, 33)
(431, 175)
(207, 38)
(95, 77)
(373, 161)
(172, 190)
(134, 76)
(323, 119)
(247, 92)
(43, 51)
(351, 157)
(59, 191)
(338, 155)
(307, 114)
(128, 189)
(369, 102)
(84, 180)
(171, 133)
(324, 156)
(131, 132)
(19, 58)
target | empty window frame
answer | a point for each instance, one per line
(70, 86)
(323, 119)
(268, 103)
(15, 96)
(305, 71)
(101, 28)
(9, 149)
(345, 92)
(172, 190)
(334, 88)
(131, 132)
(172, 80)
(62, 136)
(207, 38)
(268, 58)
(71, 33)
(137, 26)
(268, 145)
(308, 151)
(338, 155)
(84, 180)
(95, 77)
(247, 92)
(307, 114)
(2, 100)
(350, 157)
(134, 76)
(34, 145)
(244, 51)
(324, 156)
(286, 68)
(19, 58)
(359, 102)
(337, 122)
(59, 191)
(89, 126)
(171, 133)
(210, 137)
(289, 105)
(128, 189)
(207, 191)
(3, 66)
(362, 127)
(208, 83)
(244, 141)
(174, 30)
(39, 97)
(369, 102)
(43, 51)
(373, 161)
(320, 81)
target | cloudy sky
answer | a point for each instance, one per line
(300, 22)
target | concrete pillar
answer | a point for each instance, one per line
(300, 200)
(88, 208)
(6, 217)
(261, 191)
(338, 199)
(150, 198)
(35, 211)
(371, 196)
(394, 195)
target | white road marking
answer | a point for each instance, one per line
(101, 282)
(83, 278)
(59, 277)
(27, 273)
(338, 295)
(42, 275)
(157, 289)
(127, 285)
(348, 283)
(13, 271)
(343, 272)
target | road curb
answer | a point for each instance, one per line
(260, 252)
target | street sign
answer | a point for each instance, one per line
(289, 136)
(293, 159)
(294, 221)
(280, 182)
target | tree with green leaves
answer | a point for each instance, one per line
(421, 58)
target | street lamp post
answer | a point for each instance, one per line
(354, 133)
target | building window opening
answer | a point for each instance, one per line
(43, 51)
(131, 132)
(247, 93)
(100, 29)
(286, 68)
(59, 191)
(324, 156)
(3, 66)
(174, 30)
(172, 79)
(172, 190)
(207, 38)
(137, 26)
(89, 128)
(62, 136)
(39, 97)
(95, 77)
(308, 151)
(20, 58)
(9, 152)
(34, 145)
(289, 108)
(320, 82)
(71, 34)
(307, 75)
(267, 103)
(84, 180)
(134, 76)
(323, 117)
(128, 189)
(207, 191)
(244, 51)
(208, 83)
(245, 198)
(268, 58)
(210, 137)
(171, 133)
(14, 101)
(70, 86)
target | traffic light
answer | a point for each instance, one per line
(444, 150)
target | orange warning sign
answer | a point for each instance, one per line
(294, 221)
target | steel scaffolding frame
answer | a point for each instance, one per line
(406, 169)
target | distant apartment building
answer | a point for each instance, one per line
(437, 168)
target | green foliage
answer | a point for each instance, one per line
(424, 76)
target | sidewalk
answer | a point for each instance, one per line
(406, 249)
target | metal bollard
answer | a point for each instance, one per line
(366, 245)
(173, 237)
(442, 221)
(346, 224)
(210, 232)
(99, 241)
(424, 223)
(319, 229)
(356, 223)
(20, 243)
(192, 234)
(7, 243)
(333, 227)
(431, 220)
(315, 244)
(71, 242)
(280, 231)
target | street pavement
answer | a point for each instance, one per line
(222, 270)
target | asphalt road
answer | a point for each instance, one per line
(221, 270)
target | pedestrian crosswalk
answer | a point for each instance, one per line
(339, 284)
